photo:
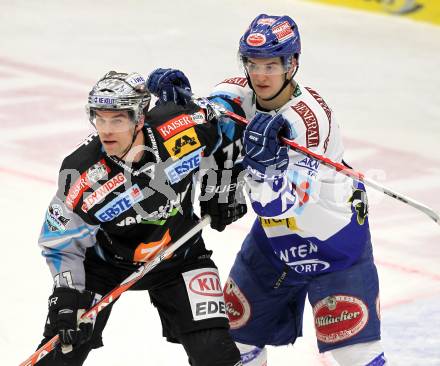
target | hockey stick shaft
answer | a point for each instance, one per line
(222, 111)
(122, 287)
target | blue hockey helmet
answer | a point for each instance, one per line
(271, 36)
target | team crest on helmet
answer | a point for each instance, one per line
(266, 21)
(283, 31)
(256, 39)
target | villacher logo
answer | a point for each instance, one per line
(237, 305)
(339, 317)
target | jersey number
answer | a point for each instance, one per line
(67, 277)
(229, 151)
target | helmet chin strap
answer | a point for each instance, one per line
(135, 133)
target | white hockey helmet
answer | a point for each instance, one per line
(119, 91)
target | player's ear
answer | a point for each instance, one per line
(293, 63)
(293, 66)
(140, 123)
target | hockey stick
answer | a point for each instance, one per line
(219, 111)
(123, 286)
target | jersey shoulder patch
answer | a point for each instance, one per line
(180, 123)
(235, 81)
(81, 169)
(310, 122)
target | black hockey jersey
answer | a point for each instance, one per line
(127, 211)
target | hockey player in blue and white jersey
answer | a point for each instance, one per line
(312, 235)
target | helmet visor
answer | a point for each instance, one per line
(264, 66)
(111, 121)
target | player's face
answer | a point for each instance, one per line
(267, 75)
(115, 130)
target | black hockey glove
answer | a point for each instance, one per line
(66, 306)
(222, 197)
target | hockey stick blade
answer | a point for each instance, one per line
(123, 286)
(219, 110)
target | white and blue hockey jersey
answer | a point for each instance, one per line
(309, 218)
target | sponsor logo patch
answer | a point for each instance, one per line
(205, 293)
(97, 171)
(236, 81)
(207, 284)
(290, 223)
(327, 111)
(103, 191)
(309, 163)
(136, 80)
(175, 125)
(199, 117)
(120, 204)
(321, 102)
(130, 220)
(183, 143)
(55, 219)
(237, 306)
(266, 21)
(92, 175)
(146, 251)
(339, 317)
(283, 31)
(309, 266)
(104, 100)
(170, 208)
(310, 121)
(256, 39)
(177, 171)
(298, 258)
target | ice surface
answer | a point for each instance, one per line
(380, 75)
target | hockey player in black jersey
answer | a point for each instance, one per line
(123, 195)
